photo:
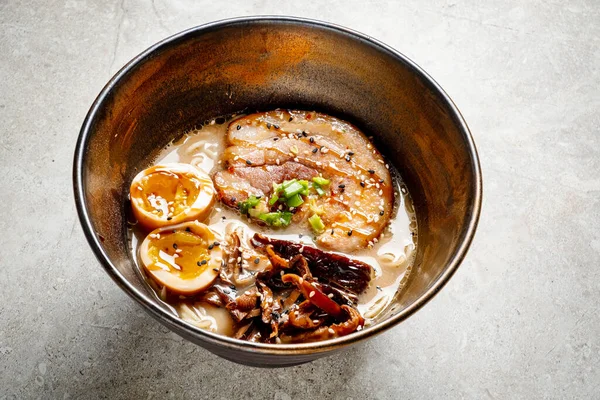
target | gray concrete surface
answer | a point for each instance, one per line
(520, 319)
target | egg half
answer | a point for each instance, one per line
(169, 194)
(185, 258)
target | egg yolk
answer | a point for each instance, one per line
(167, 194)
(182, 253)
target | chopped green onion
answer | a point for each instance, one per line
(318, 189)
(287, 183)
(294, 201)
(277, 218)
(316, 224)
(319, 180)
(275, 195)
(292, 189)
(273, 199)
(246, 205)
(255, 212)
(304, 183)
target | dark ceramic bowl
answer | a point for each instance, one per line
(261, 63)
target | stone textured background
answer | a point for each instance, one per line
(521, 317)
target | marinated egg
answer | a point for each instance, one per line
(172, 193)
(185, 258)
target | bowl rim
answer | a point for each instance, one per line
(215, 339)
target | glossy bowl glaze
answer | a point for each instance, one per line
(261, 63)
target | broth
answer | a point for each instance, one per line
(390, 257)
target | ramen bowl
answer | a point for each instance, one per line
(263, 63)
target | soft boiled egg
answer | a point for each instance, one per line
(185, 258)
(171, 193)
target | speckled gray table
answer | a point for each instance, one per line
(520, 319)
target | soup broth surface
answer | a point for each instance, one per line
(391, 256)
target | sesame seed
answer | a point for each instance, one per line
(381, 212)
(332, 231)
(315, 150)
(380, 192)
(341, 186)
(362, 184)
(169, 218)
(330, 330)
(239, 127)
(248, 162)
(311, 294)
(371, 171)
(277, 161)
(276, 126)
(324, 150)
(319, 163)
(350, 153)
(350, 232)
(330, 295)
(312, 139)
(348, 158)
(300, 280)
(268, 125)
(275, 139)
(236, 158)
(256, 260)
(290, 120)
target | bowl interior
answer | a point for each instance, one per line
(261, 64)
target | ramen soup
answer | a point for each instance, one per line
(276, 227)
